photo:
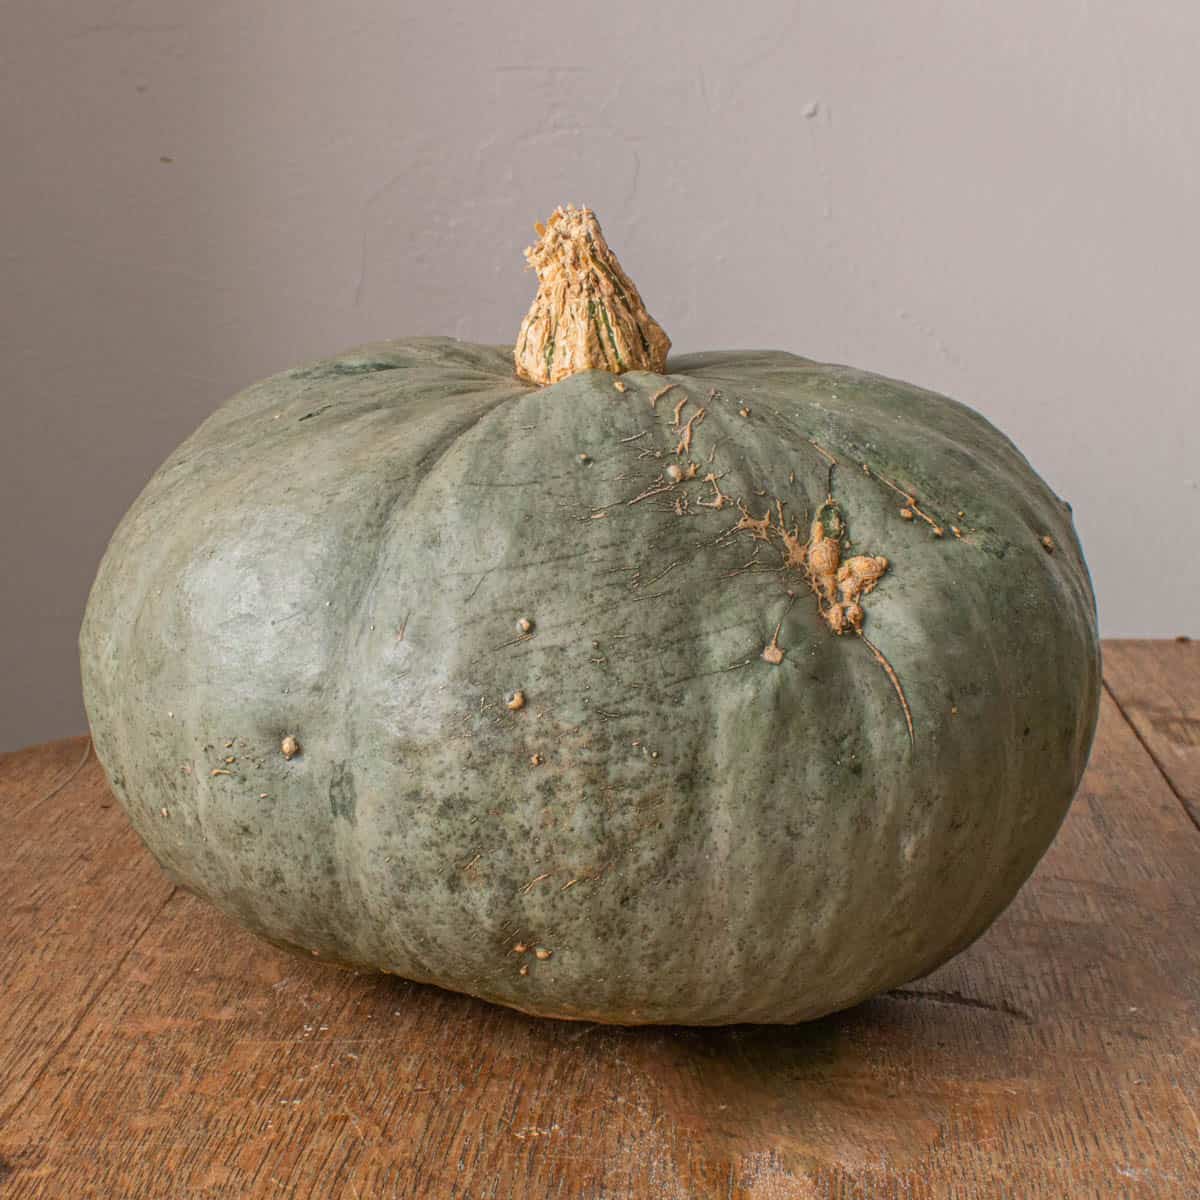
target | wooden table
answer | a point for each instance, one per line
(149, 1048)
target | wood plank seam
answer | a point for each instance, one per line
(70, 777)
(69, 1033)
(1158, 765)
(944, 996)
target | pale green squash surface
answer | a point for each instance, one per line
(342, 553)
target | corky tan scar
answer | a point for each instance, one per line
(587, 314)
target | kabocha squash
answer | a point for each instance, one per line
(737, 687)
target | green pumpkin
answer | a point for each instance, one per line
(412, 665)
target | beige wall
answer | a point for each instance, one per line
(996, 200)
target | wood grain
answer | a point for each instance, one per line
(76, 892)
(152, 1049)
(1157, 686)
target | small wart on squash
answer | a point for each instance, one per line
(685, 440)
(759, 528)
(678, 474)
(773, 652)
(719, 500)
(662, 391)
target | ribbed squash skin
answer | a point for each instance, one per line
(341, 554)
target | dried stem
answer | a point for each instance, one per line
(587, 314)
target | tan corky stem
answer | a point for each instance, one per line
(587, 314)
